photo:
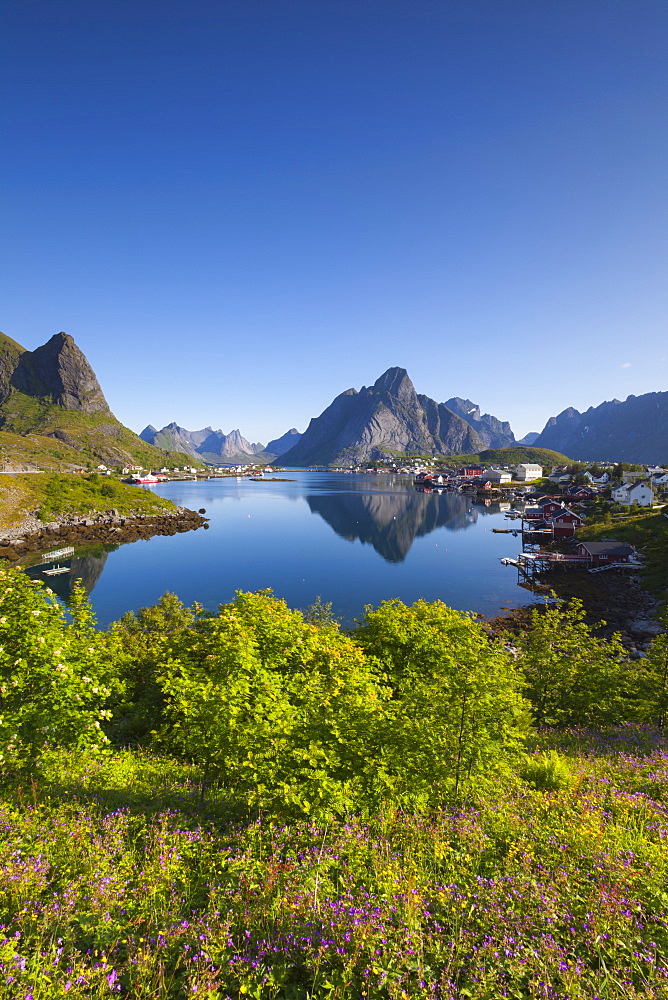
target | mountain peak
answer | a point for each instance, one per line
(379, 421)
(60, 372)
(395, 381)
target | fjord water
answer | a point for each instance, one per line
(351, 539)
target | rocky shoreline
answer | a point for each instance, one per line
(108, 527)
(618, 601)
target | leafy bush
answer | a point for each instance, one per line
(547, 772)
(53, 672)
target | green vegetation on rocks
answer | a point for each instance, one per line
(514, 456)
(58, 496)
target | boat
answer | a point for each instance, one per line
(147, 477)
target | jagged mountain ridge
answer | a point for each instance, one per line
(385, 418)
(215, 446)
(635, 430)
(493, 433)
(51, 398)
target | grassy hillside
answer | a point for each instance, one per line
(96, 437)
(514, 456)
(648, 532)
(54, 497)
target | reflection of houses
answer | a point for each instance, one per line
(630, 493)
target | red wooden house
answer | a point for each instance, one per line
(602, 552)
(565, 523)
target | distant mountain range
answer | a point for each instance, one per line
(635, 430)
(377, 422)
(216, 447)
(53, 414)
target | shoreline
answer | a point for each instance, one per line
(32, 535)
(621, 602)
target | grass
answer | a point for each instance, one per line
(115, 882)
(645, 530)
(27, 424)
(54, 497)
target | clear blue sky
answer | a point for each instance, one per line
(240, 208)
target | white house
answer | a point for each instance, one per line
(601, 479)
(496, 476)
(528, 471)
(630, 493)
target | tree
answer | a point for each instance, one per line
(653, 678)
(571, 675)
(457, 707)
(53, 672)
(281, 711)
(138, 644)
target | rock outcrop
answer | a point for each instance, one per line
(52, 409)
(59, 373)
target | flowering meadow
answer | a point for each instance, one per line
(254, 803)
(115, 881)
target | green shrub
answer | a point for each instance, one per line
(548, 772)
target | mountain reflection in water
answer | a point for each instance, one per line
(85, 569)
(391, 522)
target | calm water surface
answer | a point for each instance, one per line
(351, 539)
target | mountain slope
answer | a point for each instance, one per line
(635, 430)
(286, 441)
(494, 433)
(386, 418)
(53, 410)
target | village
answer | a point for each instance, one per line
(549, 521)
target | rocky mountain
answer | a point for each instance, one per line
(635, 430)
(175, 438)
(53, 411)
(215, 446)
(529, 438)
(493, 433)
(378, 421)
(282, 444)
